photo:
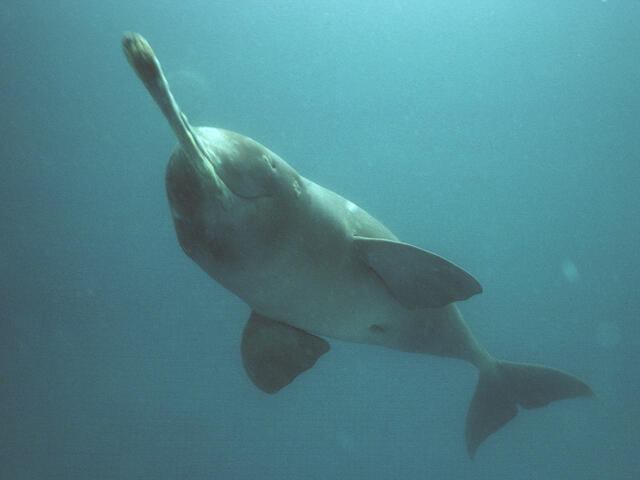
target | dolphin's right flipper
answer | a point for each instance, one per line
(415, 277)
(274, 353)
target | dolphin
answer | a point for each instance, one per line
(311, 264)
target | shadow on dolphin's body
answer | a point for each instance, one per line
(312, 264)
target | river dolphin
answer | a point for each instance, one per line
(312, 264)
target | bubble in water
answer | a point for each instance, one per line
(570, 271)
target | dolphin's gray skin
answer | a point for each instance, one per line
(310, 263)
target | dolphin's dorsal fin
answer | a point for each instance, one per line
(415, 277)
(274, 353)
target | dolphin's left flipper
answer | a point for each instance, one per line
(415, 277)
(274, 353)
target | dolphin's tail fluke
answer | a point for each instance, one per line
(505, 385)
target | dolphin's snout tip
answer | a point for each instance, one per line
(140, 56)
(132, 41)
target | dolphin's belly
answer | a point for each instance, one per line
(316, 282)
(339, 297)
(350, 306)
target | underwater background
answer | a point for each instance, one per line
(503, 135)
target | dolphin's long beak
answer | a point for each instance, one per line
(147, 67)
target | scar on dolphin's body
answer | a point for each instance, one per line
(312, 264)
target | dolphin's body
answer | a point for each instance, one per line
(312, 264)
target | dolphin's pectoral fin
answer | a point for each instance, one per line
(274, 353)
(415, 277)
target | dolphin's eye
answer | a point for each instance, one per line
(270, 161)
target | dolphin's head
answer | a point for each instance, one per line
(229, 202)
(230, 197)
(247, 168)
